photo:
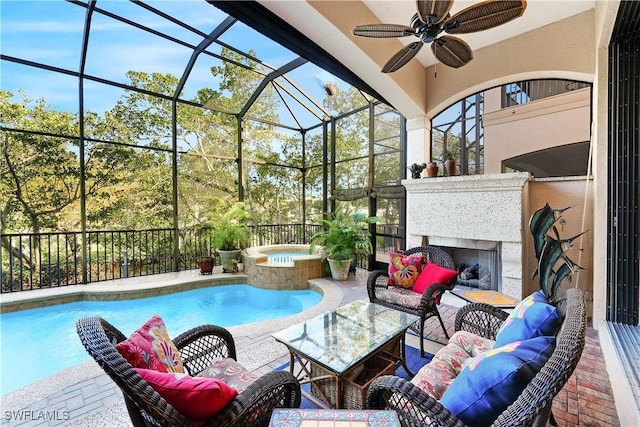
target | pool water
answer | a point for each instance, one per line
(277, 258)
(40, 342)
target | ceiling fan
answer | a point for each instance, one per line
(433, 18)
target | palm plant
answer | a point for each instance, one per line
(554, 265)
(344, 235)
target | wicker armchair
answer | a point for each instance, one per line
(199, 347)
(533, 406)
(427, 307)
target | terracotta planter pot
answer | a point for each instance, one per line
(206, 265)
(450, 167)
(432, 169)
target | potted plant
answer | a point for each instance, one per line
(449, 163)
(206, 264)
(230, 233)
(343, 237)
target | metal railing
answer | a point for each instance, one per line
(43, 260)
(531, 90)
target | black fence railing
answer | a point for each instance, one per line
(43, 260)
(532, 90)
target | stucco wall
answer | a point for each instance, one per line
(544, 123)
(564, 49)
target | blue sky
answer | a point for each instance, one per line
(50, 32)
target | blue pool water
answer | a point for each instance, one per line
(282, 258)
(40, 342)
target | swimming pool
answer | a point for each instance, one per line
(40, 342)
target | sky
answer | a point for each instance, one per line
(51, 32)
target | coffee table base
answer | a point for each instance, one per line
(349, 389)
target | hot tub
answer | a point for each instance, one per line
(281, 266)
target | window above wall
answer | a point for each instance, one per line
(537, 126)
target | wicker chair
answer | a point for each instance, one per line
(427, 307)
(198, 348)
(533, 406)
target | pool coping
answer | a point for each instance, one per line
(117, 289)
(171, 282)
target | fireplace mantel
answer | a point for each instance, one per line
(473, 208)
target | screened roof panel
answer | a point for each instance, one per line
(155, 37)
(60, 91)
(199, 16)
(40, 31)
(145, 17)
(223, 99)
(111, 54)
(247, 40)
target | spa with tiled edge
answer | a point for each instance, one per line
(291, 271)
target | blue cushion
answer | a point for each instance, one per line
(493, 380)
(532, 317)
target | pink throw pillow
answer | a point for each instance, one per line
(404, 269)
(196, 398)
(433, 273)
(150, 347)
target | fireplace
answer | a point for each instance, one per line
(475, 217)
(477, 261)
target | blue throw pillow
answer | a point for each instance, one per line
(493, 380)
(532, 317)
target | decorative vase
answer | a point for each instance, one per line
(450, 167)
(432, 169)
(339, 268)
(206, 264)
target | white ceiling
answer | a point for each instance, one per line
(537, 14)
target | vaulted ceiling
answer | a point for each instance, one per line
(551, 39)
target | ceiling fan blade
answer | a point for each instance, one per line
(403, 56)
(485, 15)
(437, 9)
(451, 51)
(383, 30)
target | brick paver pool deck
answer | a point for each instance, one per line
(86, 396)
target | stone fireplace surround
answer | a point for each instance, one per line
(472, 210)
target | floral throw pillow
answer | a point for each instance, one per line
(150, 347)
(404, 269)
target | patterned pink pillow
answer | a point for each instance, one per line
(196, 398)
(404, 269)
(150, 347)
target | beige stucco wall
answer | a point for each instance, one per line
(563, 49)
(548, 122)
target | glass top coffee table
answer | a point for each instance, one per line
(340, 352)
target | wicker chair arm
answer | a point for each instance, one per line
(432, 291)
(481, 319)
(96, 335)
(413, 406)
(253, 407)
(376, 280)
(202, 345)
